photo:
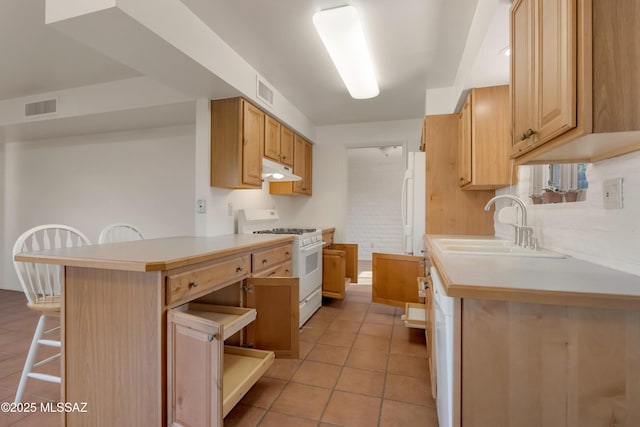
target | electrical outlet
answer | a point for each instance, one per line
(230, 209)
(612, 193)
(202, 206)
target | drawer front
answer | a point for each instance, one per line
(282, 270)
(269, 258)
(184, 285)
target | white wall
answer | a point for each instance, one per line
(374, 219)
(586, 230)
(328, 206)
(144, 177)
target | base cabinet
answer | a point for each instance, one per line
(339, 268)
(394, 278)
(206, 378)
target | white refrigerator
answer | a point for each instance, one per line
(414, 203)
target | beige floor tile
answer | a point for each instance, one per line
(317, 374)
(353, 410)
(402, 414)
(408, 389)
(302, 400)
(244, 416)
(402, 364)
(329, 354)
(365, 359)
(357, 316)
(361, 381)
(264, 392)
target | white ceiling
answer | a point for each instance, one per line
(416, 45)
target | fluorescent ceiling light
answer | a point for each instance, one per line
(342, 35)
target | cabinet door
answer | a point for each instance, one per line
(308, 165)
(276, 327)
(522, 72)
(556, 68)
(195, 394)
(543, 71)
(271, 138)
(333, 273)
(350, 259)
(464, 143)
(299, 164)
(395, 278)
(286, 146)
(252, 140)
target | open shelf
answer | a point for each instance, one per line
(232, 318)
(242, 368)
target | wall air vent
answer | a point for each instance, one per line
(41, 108)
(264, 92)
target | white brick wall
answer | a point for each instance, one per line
(374, 219)
(586, 230)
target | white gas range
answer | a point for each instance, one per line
(306, 256)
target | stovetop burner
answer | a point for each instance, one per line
(286, 231)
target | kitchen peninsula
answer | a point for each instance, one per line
(117, 354)
(540, 341)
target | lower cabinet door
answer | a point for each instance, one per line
(206, 379)
(394, 278)
(333, 273)
(277, 303)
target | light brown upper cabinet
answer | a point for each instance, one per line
(278, 141)
(237, 138)
(302, 166)
(575, 92)
(483, 139)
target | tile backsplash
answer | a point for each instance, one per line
(586, 230)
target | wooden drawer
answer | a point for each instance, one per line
(282, 270)
(207, 378)
(198, 281)
(270, 258)
(415, 316)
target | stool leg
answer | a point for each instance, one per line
(31, 358)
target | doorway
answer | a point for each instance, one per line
(374, 212)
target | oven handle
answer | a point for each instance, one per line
(311, 248)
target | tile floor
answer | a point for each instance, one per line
(358, 366)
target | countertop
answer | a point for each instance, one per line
(560, 281)
(155, 254)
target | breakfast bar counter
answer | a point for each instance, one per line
(115, 303)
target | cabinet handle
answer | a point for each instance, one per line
(527, 134)
(461, 179)
(239, 269)
(211, 337)
(273, 273)
(264, 261)
(193, 284)
(286, 271)
(287, 253)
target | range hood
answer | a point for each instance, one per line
(275, 172)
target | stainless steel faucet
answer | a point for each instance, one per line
(523, 233)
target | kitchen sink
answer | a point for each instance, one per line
(470, 246)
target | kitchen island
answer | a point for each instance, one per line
(115, 303)
(541, 341)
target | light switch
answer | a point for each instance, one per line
(612, 193)
(202, 206)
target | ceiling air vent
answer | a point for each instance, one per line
(264, 92)
(40, 108)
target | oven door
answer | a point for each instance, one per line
(309, 269)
